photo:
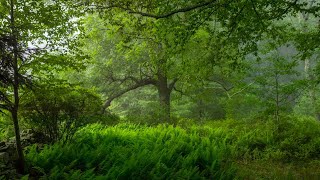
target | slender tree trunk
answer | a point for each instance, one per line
(201, 111)
(15, 108)
(20, 161)
(277, 98)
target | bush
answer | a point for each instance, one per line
(299, 138)
(290, 139)
(59, 110)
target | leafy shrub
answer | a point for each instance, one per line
(58, 110)
(299, 138)
(290, 139)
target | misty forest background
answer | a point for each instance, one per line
(169, 89)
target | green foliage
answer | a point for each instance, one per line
(58, 110)
(246, 106)
(290, 139)
(129, 151)
(6, 128)
(278, 77)
(203, 59)
(166, 152)
(306, 106)
(305, 143)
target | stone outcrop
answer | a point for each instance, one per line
(8, 154)
(7, 159)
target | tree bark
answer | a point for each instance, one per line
(164, 90)
(277, 86)
(14, 111)
(164, 97)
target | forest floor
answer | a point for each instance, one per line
(278, 170)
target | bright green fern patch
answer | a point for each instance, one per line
(134, 152)
(216, 150)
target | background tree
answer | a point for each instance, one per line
(277, 75)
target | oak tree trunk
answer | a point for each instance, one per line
(164, 97)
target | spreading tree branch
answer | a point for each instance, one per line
(186, 9)
(136, 85)
(238, 92)
(158, 16)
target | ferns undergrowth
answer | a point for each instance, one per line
(210, 151)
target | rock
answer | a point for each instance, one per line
(9, 174)
(2, 144)
(9, 156)
(4, 148)
(11, 150)
(11, 141)
(36, 173)
(27, 131)
(2, 166)
(4, 158)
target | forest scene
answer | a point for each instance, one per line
(160, 89)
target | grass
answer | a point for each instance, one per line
(278, 170)
(228, 149)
